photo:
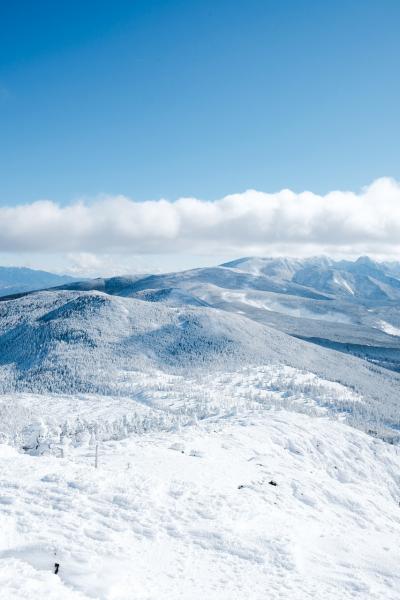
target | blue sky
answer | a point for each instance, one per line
(173, 98)
(108, 105)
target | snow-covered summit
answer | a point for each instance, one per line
(363, 278)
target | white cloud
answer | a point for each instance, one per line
(252, 222)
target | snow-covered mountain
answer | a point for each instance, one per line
(90, 342)
(363, 279)
(15, 280)
(349, 306)
(362, 282)
(213, 433)
(82, 336)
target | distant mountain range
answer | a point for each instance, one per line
(352, 306)
(14, 280)
(362, 281)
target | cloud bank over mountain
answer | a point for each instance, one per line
(252, 222)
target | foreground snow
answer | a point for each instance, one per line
(194, 514)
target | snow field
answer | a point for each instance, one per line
(192, 514)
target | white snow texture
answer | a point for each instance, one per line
(217, 434)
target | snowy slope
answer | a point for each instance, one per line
(363, 279)
(354, 304)
(348, 328)
(91, 342)
(320, 278)
(222, 276)
(157, 400)
(195, 514)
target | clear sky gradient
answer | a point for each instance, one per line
(174, 98)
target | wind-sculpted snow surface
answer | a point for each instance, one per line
(270, 504)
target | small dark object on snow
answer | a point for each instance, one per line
(272, 482)
(240, 487)
(56, 567)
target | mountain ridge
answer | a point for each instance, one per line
(351, 306)
(16, 280)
